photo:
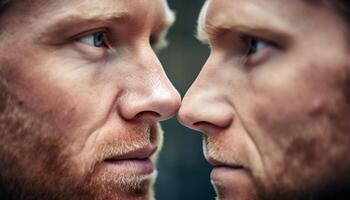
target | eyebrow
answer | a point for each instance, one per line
(67, 22)
(169, 21)
(170, 17)
(253, 25)
(202, 33)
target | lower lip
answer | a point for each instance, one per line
(234, 183)
(228, 174)
(145, 166)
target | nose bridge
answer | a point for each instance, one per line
(209, 78)
(150, 96)
(155, 80)
(206, 102)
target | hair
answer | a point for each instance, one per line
(343, 6)
(3, 3)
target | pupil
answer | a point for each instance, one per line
(253, 48)
(98, 39)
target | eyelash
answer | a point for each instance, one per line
(250, 41)
(102, 34)
(103, 42)
(253, 46)
(258, 54)
(153, 40)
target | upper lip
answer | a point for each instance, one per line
(218, 163)
(137, 154)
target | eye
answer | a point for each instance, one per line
(97, 39)
(153, 40)
(157, 43)
(258, 51)
(256, 45)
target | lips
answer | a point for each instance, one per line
(138, 154)
(136, 162)
(217, 163)
(229, 174)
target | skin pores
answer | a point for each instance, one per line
(81, 97)
(273, 98)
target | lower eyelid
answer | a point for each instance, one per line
(260, 57)
(90, 52)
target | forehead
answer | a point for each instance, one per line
(89, 9)
(127, 4)
(281, 15)
(233, 9)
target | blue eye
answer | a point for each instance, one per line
(95, 39)
(98, 39)
(255, 45)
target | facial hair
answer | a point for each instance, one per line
(36, 162)
(335, 190)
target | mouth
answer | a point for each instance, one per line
(232, 179)
(137, 161)
(225, 173)
(220, 164)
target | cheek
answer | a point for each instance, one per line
(49, 100)
(59, 96)
(299, 119)
(298, 97)
(23, 134)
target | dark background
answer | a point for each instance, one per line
(183, 171)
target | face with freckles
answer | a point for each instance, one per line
(273, 98)
(81, 95)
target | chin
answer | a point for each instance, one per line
(224, 193)
(123, 187)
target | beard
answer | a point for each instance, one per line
(36, 161)
(334, 188)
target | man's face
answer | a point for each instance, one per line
(273, 97)
(82, 93)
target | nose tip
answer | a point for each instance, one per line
(157, 106)
(186, 118)
(204, 116)
(204, 119)
(166, 104)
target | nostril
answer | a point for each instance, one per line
(152, 113)
(148, 114)
(203, 124)
(219, 124)
(200, 123)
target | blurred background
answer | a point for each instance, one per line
(183, 171)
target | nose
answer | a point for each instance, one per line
(150, 97)
(203, 112)
(158, 104)
(206, 107)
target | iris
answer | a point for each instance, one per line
(98, 39)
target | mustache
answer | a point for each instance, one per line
(214, 149)
(138, 138)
